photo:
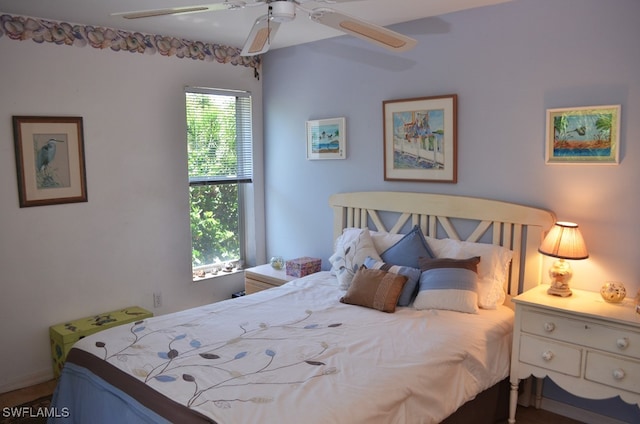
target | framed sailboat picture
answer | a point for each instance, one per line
(420, 139)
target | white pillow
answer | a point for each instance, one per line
(492, 270)
(383, 241)
(351, 249)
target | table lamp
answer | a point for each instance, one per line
(564, 241)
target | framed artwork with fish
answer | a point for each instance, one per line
(420, 139)
(587, 135)
(49, 160)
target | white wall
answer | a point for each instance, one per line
(132, 237)
(507, 63)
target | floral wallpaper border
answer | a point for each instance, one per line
(63, 33)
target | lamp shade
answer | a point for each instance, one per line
(564, 241)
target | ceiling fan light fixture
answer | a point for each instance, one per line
(282, 11)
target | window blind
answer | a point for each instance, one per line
(219, 136)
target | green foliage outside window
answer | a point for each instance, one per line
(211, 140)
(214, 224)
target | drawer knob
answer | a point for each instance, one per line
(618, 374)
(622, 343)
(549, 327)
(547, 355)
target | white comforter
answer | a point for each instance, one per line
(296, 353)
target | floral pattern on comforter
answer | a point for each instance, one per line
(247, 356)
(295, 351)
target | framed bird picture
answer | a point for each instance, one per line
(583, 135)
(49, 160)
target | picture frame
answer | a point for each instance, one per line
(420, 139)
(588, 135)
(326, 139)
(49, 160)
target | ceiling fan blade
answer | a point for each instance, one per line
(222, 5)
(362, 29)
(259, 39)
(326, 1)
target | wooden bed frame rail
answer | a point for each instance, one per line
(516, 227)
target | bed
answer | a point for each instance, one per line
(379, 343)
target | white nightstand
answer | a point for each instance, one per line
(587, 346)
(264, 277)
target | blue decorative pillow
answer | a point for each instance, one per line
(450, 284)
(412, 274)
(408, 249)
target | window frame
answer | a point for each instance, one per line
(243, 200)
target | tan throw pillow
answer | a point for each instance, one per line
(376, 289)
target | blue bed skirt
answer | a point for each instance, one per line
(81, 397)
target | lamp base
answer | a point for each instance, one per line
(559, 291)
(560, 274)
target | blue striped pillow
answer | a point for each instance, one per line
(450, 284)
(412, 274)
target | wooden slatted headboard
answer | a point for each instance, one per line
(517, 227)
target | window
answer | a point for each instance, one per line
(219, 144)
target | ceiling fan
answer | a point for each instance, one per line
(282, 11)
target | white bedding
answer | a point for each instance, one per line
(295, 352)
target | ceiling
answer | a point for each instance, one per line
(229, 27)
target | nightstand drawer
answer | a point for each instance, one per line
(264, 277)
(253, 286)
(613, 371)
(587, 333)
(551, 355)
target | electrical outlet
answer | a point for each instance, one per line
(157, 299)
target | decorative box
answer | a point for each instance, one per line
(302, 266)
(64, 335)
